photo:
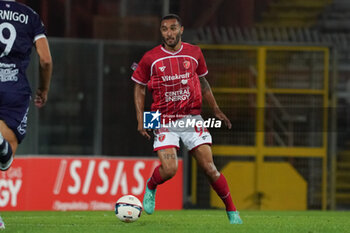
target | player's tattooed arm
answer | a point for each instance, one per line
(208, 94)
(209, 97)
(204, 85)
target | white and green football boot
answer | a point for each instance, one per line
(234, 217)
(149, 199)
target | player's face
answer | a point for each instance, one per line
(171, 32)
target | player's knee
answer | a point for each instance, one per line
(211, 172)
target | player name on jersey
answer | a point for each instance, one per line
(13, 16)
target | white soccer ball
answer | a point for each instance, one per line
(128, 208)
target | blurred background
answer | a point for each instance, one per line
(280, 69)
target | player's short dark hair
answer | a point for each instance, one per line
(172, 16)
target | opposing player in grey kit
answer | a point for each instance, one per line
(20, 29)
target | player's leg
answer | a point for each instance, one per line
(165, 144)
(204, 158)
(8, 146)
(198, 142)
(13, 123)
(167, 169)
(162, 173)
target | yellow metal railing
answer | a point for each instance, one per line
(260, 90)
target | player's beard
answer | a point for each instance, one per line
(175, 41)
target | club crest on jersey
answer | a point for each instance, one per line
(186, 64)
(162, 68)
(161, 137)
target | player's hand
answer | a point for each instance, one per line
(143, 131)
(221, 116)
(40, 98)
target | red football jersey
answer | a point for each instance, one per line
(173, 79)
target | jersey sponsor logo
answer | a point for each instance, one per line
(13, 16)
(162, 68)
(5, 65)
(180, 95)
(166, 78)
(151, 120)
(7, 73)
(186, 64)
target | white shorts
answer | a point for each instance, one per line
(169, 136)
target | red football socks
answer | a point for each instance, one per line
(221, 188)
(155, 180)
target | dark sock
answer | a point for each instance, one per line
(5, 151)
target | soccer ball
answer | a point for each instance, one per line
(128, 208)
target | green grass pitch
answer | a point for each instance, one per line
(192, 221)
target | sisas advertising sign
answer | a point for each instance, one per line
(82, 183)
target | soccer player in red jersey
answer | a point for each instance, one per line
(174, 73)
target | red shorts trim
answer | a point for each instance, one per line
(205, 143)
(166, 147)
